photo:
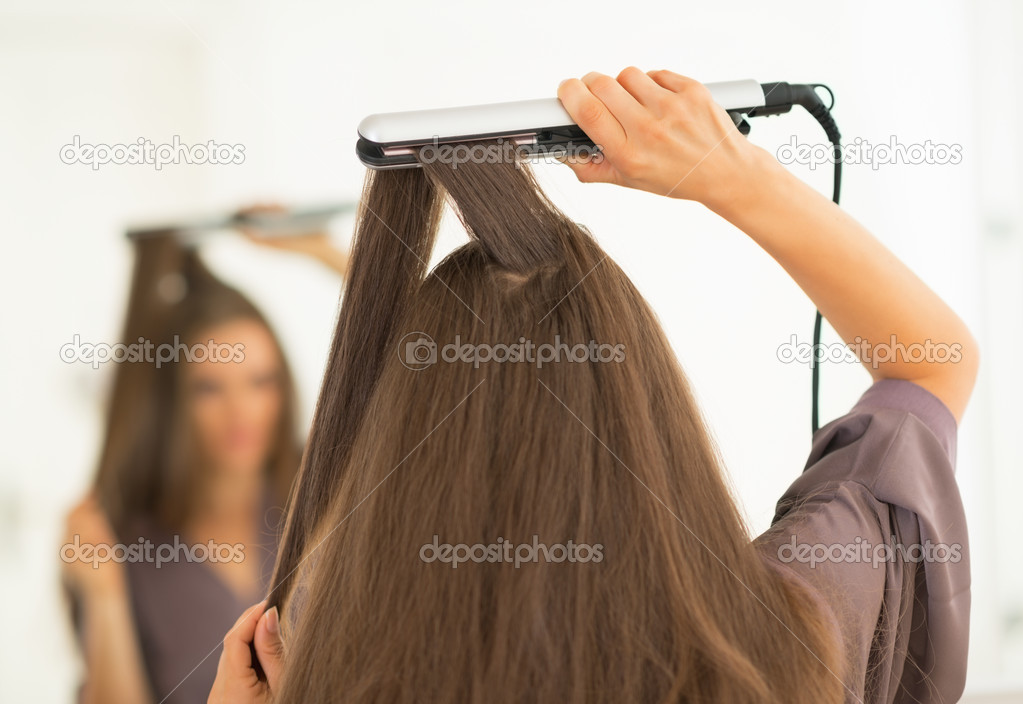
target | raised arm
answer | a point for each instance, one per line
(663, 133)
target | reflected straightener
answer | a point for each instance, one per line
(285, 223)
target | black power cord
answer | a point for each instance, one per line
(779, 98)
(823, 116)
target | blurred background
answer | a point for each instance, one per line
(289, 82)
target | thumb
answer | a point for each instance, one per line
(270, 647)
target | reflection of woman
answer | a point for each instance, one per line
(596, 449)
(197, 453)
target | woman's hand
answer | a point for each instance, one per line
(88, 529)
(315, 244)
(106, 630)
(660, 132)
(237, 681)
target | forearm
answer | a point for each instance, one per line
(664, 133)
(335, 259)
(115, 671)
(860, 286)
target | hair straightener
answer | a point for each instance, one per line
(543, 126)
(388, 140)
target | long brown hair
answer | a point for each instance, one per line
(148, 465)
(610, 454)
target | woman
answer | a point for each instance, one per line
(369, 601)
(199, 454)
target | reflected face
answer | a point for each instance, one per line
(235, 406)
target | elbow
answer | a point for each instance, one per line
(970, 363)
(959, 377)
(952, 379)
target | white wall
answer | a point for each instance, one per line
(291, 82)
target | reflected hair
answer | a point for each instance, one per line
(148, 463)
